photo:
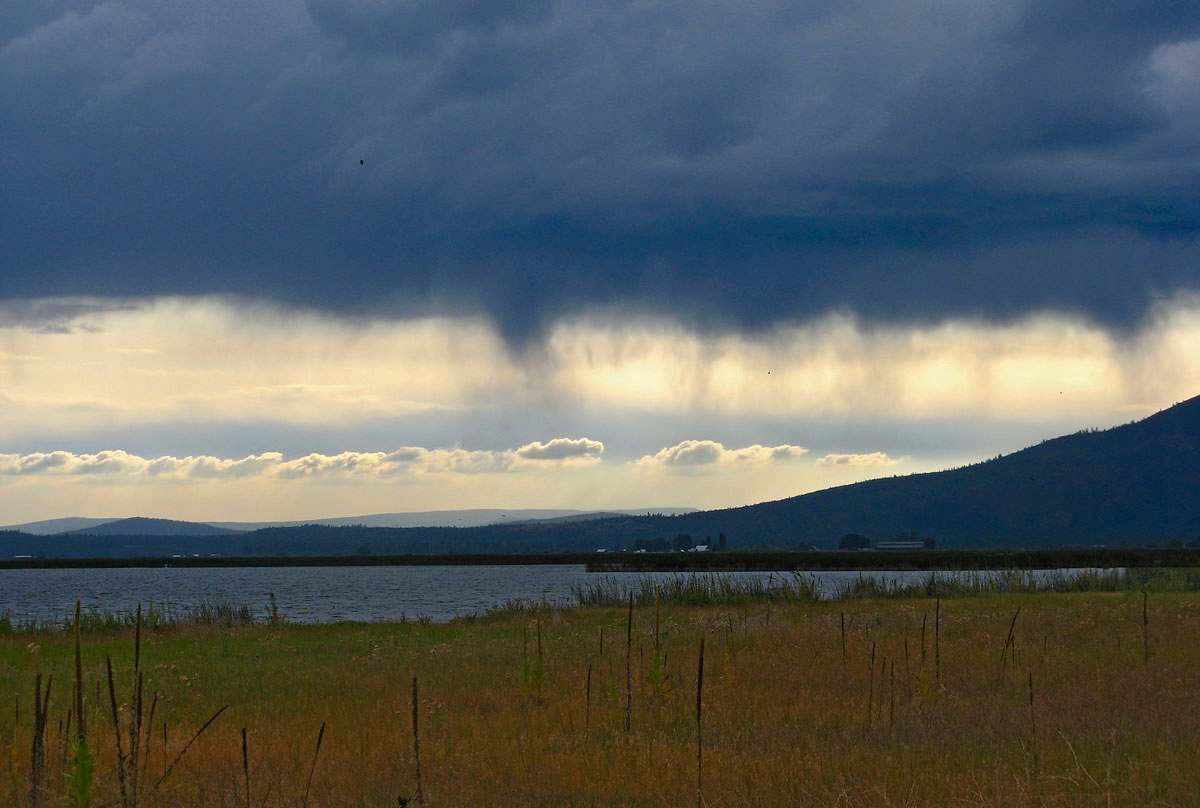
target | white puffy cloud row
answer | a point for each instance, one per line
(693, 454)
(866, 459)
(556, 453)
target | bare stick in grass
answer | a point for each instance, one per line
(871, 688)
(892, 694)
(64, 734)
(843, 617)
(656, 616)
(907, 670)
(587, 700)
(167, 771)
(1145, 626)
(313, 766)
(1033, 730)
(135, 735)
(629, 666)
(924, 619)
(80, 722)
(416, 730)
(1008, 643)
(137, 640)
(937, 642)
(37, 757)
(116, 719)
(700, 727)
(541, 662)
(141, 778)
(246, 765)
(45, 709)
(135, 729)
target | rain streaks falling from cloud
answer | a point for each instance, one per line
(213, 360)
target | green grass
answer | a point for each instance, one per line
(723, 589)
(788, 720)
(92, 620)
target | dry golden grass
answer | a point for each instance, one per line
(786, 720)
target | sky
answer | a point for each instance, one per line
(277, 259)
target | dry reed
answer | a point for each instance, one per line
(1126, 738)
(700, 726)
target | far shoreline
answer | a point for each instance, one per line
(745, 561)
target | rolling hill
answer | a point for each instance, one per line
(51, 527)
(141, 526)
(1135, 483)
(469, 517)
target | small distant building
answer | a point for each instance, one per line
(907, 543)
(699, 548)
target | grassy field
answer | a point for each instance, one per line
(1085, 699)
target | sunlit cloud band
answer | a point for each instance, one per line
(176, 360)
(557, 453)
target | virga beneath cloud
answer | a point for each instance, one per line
(178, 359)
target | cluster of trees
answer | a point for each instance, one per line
(857, 541)
(854, 541)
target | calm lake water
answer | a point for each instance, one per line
(329, 594)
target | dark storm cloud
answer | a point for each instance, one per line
(745, 162)
(394, 27)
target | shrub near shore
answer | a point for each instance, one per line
(1036, 698)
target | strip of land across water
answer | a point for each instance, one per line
(1075, 558)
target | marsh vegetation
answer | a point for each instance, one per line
(987, 695)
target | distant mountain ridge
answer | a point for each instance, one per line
(1137, 483)
(50, 527)
(469, 517)
(141, 526)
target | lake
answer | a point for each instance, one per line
(330, 594)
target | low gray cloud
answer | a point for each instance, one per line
(743, 164)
